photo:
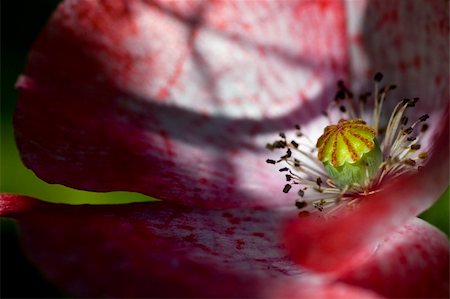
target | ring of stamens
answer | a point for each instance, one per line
(400, 149)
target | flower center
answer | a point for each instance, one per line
(345, 142)
(348, 161)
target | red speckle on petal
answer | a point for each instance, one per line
(163, 93)
(230, 230)
(437, 80)
(402, 259)
(234, 220)
(357, 39)
(190, 238)
(186, 227)
(167, 143)
(402, 65)
(259, 234)
(227, 215)
(417, 62)
(240, 244)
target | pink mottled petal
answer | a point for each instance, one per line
(163, 250)
(338, 243)
(176, 99)
(408, 42)
(412, 262)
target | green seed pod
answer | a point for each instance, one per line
(350, 152)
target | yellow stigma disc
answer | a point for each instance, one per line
(345, 142)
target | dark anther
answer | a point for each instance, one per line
(269, 146)
(392, 87)
(340, 84)
(286, 188)
(423, 155)
(413, 102)
(411, 138)
(340, 94)
(282, 135)
(301, 193)
(294, 144)
(363, 97)
(288, 153)
(283, 169)
(424, 128)
(270, 161)
(424, 117)
(288, 177)
(325, 113)
(378, 77)
(319, 181)
(410, 162)
(300, 204)
(408, 130)
(342, 108)
(404, 120)
(405, 101)
(297, 164)
(415, 146)
(279, 144)
(297, 127)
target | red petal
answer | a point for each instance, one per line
(408, 42)
(412, 262)
(176, 100)
(340, 242)
(162, 250)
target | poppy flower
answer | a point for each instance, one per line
(177, 100)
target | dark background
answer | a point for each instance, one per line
(20, 24)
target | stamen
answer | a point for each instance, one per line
(424, 117)
(286, 188)
(301, 204)
(423, 156)
(378, 77)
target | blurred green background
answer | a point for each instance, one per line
(21, 22)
